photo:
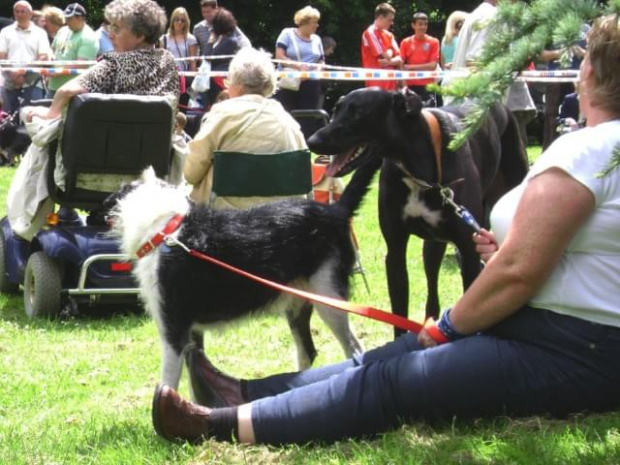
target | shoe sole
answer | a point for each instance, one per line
(155, 414)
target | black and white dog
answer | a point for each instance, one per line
(297, 242)
(416, 164)
(14, 139)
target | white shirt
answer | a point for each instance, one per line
(473, 35)
(585, 283)
(472, 39)
(24, 44)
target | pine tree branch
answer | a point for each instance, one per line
(614, 163)
(518, 35)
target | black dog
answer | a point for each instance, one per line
(370, 122)
(14, 139)
(297, 242)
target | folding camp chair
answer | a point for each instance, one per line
(239, 174)
(326, 189)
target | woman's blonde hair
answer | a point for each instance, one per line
(306, 14)
(604, 55)
(455, 18)
(54, 15)
(179, 12)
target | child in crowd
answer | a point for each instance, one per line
(180, 140)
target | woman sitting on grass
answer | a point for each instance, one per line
(538, 331)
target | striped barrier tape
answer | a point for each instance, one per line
(64, 63)
(359, 74)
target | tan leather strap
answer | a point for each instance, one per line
(435, 129)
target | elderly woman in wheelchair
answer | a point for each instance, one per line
(249, 149)
(102, 128)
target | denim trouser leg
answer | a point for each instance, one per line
(276, 384)
(32, 93)
(535, 362)
(11, 97)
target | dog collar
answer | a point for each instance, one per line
(157, 239)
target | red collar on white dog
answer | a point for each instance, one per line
(158, 238)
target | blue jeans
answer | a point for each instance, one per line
(534, 362)
(11, 97)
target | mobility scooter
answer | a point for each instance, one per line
(72, 262)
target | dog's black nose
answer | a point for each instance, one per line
(314, 142)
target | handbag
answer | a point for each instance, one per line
(202, 81)
(291, 83)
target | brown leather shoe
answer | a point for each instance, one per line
(175, 419)
(210, 386)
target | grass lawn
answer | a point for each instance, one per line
(78, 391)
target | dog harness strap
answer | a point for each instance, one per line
(157, 239)
(351, 307)
(433, 124)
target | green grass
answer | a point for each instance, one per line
(78, 391)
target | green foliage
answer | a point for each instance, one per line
(519, 33)
(79, 390)
(614, 163)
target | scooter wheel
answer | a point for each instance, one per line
(42, 286)
(6, 287)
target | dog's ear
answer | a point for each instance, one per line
(148, 175)
(407, 103)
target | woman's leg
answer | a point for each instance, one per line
(276, 384)
(288, 98)
(308, 99)
(576, 367)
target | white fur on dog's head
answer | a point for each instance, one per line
(143, 208)
(148, 175)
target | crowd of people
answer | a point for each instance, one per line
(70, 37)
(535, 333)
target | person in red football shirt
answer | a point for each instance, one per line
(379, 48)
(420, 52)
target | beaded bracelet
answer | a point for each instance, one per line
(435, 333)
(445, 326)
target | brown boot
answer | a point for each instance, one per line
(175, 419)
(210, 386)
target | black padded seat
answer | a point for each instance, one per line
(109, 138)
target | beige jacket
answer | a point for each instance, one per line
(272, 130)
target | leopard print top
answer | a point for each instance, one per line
(139, 72)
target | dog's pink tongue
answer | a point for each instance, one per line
(334, 167)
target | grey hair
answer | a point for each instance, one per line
(253, 71)
(142, 17)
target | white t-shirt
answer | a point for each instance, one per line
(24, 45)
(473, 35)
(586, 282)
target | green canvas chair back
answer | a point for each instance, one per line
(239, 174)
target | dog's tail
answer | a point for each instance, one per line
(355, 191)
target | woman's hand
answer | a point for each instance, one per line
(486, 244)
(423, 337)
